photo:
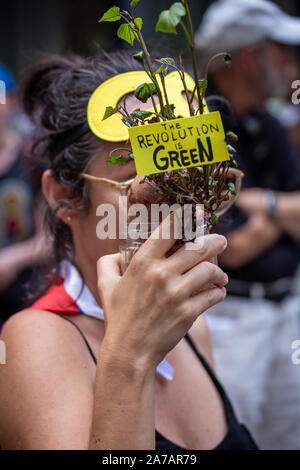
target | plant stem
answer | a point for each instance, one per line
(165, 94)
(190, 101)
(149, 63)
(221, 54)
(192, 48)
(186, 32)
(139, 36)
(153, 102)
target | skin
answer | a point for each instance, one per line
(254, 76)
(68, 403)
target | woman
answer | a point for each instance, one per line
(53, 396)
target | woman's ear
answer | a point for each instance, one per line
(54, 191)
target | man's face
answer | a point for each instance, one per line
(275, 77)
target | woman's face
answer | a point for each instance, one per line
(87, 226)
(84, 227)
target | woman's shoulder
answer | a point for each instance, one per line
(37, 335)
(46, 364)
(31, 321)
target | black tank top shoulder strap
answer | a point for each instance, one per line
(83, 337)
(203, 361)
(229, 410)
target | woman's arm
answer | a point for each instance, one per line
(147, 312)
(124, 413)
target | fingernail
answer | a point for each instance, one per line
(224, 290)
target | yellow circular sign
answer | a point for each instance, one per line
(113, 90)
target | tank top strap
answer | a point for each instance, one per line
(83, 337)
(229, 410)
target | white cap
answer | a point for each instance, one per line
(230, 24)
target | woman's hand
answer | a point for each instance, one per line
(151, 307)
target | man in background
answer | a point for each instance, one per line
(253, 330)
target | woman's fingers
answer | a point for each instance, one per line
(199, 303)
(202, 275)
(108, 271)
(193, 253)
(163, 237)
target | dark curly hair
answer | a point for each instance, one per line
(55, 95)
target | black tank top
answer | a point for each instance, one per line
(237, 437)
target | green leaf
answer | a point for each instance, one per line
(214, 219)
(227, 60)
(126, 33)
(231, 149)
(134, 3)
(111, 15)
(235, 163)
(169, 19)
(139, 22)
(203, 86)
(232, 188)
(109, 111)
(166, 109)
(161, 69)
(118, 160)
(142, 92)
(166, 61)
(141, 114)
(139, 56)
(206, 204)
(231, 137)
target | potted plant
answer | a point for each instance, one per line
(212, 185)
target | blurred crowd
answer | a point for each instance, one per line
(254, 328)
(22, 252)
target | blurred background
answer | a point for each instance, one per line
(29, 27)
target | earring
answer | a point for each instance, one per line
(69, 219)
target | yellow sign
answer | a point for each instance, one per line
(112, 91)
(180, 143)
